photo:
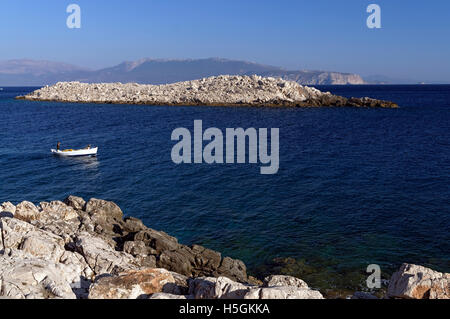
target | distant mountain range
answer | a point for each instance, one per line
(157, 71)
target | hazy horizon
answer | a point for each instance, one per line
(294, 35)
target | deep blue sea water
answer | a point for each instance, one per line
(355, 186)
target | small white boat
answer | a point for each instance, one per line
(72, 153)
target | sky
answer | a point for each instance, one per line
(331, 35)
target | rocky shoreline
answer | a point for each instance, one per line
(224, 90)
(77, 250)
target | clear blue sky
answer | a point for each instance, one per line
(414, 41)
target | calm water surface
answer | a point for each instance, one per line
(355, 186)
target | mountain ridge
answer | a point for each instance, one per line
(27, 72)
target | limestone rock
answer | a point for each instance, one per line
(180, 261)
(57, 210)
(136, 248)
(203, 288)
(25, 277)
(180, 287)
(131, 284)
(104, 219)
(217, 288)
(134, 224)
(101, 257)
(57, 218)
(7, 209)
(26, 211)
(206, 258)
(43, 248)
(233, 268)
(103, 208)
(283, 281)
(418, 282)
(58, 249)
(283, 293)
(162, 295)
(223, 90)
(145, 261)
(24, 236)
(75, 202)
(157, 240)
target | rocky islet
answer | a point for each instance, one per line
(224, 90)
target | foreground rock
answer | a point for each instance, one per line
(417, 282)
(131, 284)
(78, 249)
(222, 90)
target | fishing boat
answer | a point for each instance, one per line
(73, 153)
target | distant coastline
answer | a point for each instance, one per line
(159, 71)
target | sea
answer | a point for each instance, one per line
(355, 186)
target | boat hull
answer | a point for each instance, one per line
(76, 153)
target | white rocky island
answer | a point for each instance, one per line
(224, 90)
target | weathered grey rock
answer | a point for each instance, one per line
(24, 277)
(104, 219)
(83, 275)
(134, 224)
(102, 208)
(283, 293)
(47, 253)
(418, 282)
(284, 281)
(22, 240)
(157, 240)
(101, 257)
(228, 289)
(224, 288)
(7, 209)
(206, 259)
(145, 261)
(221, 90)
(26, 211)
(203, 287)
(42, 248)
(24, 236)
(75, 202)
(193, 262)
(217, 288)
(58, 249)
(57, 210)
(137, 248)
(180, 287)
(131, 284)
(57, 218)
(180, 261)
(162, 295)
(233, 268)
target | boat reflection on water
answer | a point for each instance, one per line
(82, 162)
